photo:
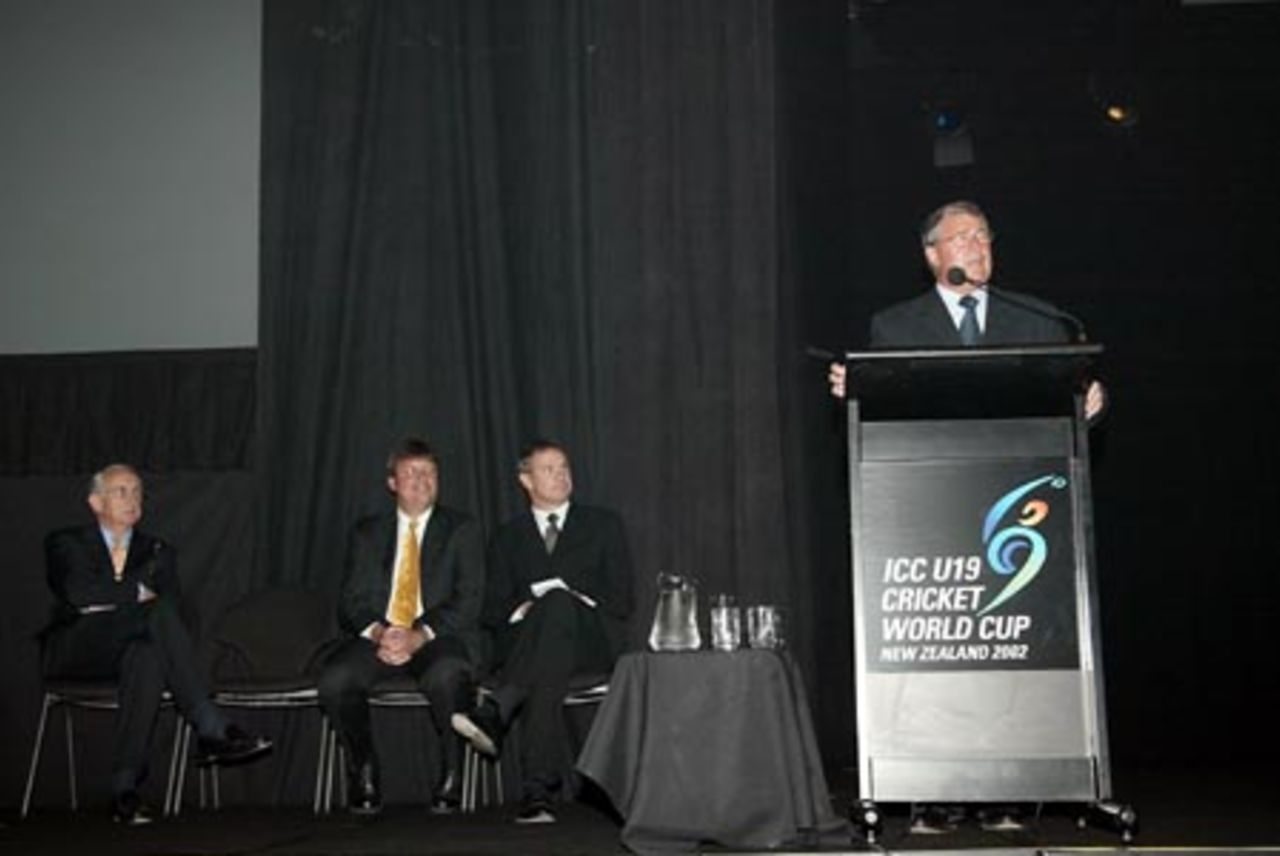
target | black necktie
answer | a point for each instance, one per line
(552, 533)
(969, 332)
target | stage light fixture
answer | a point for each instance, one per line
(1121, 114)
(1114, 98)
(952, 139)
(947, 120)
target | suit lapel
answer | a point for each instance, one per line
(389, 547)
(571, 532)
(97, 549)
(998, 323)
(433, 586)
(535, 548)
(937, 320)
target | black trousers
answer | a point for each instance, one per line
(145, 647)
(559, 637)
(441, 668)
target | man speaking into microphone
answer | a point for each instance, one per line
(963, 309)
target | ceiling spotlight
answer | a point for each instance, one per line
(946, 120)
(1115, 97)
(1121, 114)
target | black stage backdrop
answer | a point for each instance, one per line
(488, 221)
(619, 222)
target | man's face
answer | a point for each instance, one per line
(415, 482)
(118, 504)
(548, 478)
(963, 241)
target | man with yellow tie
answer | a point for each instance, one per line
(411, 595)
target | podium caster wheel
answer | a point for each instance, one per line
(1118, 817)
(868, 818)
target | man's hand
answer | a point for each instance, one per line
(519, 612)
(396, 645)
(835, 377)
(1095, 399)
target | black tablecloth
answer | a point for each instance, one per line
(710, 747)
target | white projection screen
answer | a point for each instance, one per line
(128, 174)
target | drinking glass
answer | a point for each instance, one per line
(764, 626)
(726, 623)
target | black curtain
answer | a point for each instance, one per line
(484, 221)
(159, 410)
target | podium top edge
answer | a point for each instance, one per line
(1084, 350)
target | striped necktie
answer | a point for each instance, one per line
(969, 331)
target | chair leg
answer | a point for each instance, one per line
(35, 754)
(330, 761)
(468, 778)
(317, 800)
(477, 771)
(71, 756)
(177, 770)
(180, 787)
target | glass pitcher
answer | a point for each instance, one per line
(675, 620)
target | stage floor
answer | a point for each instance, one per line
(1200, 809)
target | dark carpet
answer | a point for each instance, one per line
(1201, 808)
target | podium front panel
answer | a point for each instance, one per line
(971, 596)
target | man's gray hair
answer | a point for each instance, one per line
(929, 228)
(98, 481)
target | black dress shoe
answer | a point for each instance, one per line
(448, 795)
(127, 810)
(363, 791)
(535, 811)
(482, 727)
(235, 747)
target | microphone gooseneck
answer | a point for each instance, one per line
(956, 276)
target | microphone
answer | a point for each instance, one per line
(957, 276)
(821, 353)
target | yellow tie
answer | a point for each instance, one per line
(404, 599)
(119, 555)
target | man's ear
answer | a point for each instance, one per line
(931, 256)
(525, 481)
(391, 483)
(95, 502)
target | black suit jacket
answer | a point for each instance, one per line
(453, 575)
(923, 322)
(591, 556)
(78, 569)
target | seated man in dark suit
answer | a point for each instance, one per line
(558, 602)
(411, 595)
(963, 309)
(117, 618)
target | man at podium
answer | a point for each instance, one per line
(963, 309)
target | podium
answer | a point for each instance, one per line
(976, 640)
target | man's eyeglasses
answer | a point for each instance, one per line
(959, 239)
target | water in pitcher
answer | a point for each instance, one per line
(675, 620)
